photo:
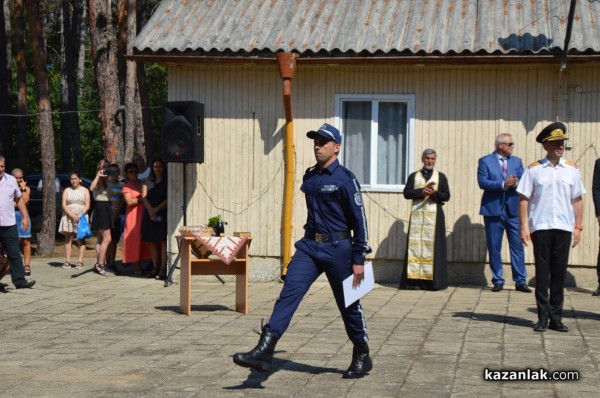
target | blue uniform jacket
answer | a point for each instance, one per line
(335, 204)
(490, 178)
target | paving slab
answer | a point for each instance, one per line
(78, 334)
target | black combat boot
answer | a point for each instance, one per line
(361, 362)
(261, 357)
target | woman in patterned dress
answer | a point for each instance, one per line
(75, 204)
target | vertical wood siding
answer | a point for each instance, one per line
(459, 111)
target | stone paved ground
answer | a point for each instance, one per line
(77, 334)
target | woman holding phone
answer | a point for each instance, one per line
(102, 220)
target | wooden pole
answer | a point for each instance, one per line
(287, 67)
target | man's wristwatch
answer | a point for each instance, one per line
(23, 190)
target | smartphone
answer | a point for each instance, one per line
(110, 172)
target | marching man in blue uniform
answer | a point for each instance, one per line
(335, 242)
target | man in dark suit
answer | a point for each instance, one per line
(596, 196)
(498, 175)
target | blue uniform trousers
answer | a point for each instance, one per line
(311, 260)
(494, 231)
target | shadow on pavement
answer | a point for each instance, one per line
(581, 314)
(203, 308)
(256, 378)
(498, 318)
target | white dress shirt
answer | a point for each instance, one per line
(550, 190)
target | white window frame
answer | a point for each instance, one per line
(409, 99)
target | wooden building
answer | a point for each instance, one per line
(396, 77)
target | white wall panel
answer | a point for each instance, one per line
(459, 111)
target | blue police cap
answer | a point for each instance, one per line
(326, 131)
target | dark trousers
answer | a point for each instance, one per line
(551, 251)
(598, 267)
(9, 237)
(311, 260)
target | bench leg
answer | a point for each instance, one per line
(185, 298)
(241, 291)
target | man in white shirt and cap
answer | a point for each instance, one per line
(550, 211)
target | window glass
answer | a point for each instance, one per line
(391, 143)
(377, 138)
(357, 138)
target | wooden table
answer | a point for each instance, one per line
(191, 265)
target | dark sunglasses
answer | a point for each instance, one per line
(132, 172)
(511, 144)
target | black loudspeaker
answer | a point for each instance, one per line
(183, 132)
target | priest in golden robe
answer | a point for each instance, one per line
(425, 261)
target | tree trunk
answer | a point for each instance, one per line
(122, 45)
(47, 238)
(132, 99)
(64, 17)
(143, 88)
(23, 119)
(105, 65)
(71, 134)
(146, 112)
(80, 23)
(5, 86)
(134, 132)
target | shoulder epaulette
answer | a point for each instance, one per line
(572, 164)
(537, 162)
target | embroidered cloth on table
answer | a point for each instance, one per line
(224, 247)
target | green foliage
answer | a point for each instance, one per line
(212, 222)
(156, 78)
(89, 124)
(88, 101)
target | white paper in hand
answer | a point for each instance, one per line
(352, 294)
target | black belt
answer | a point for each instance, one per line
(324, 238)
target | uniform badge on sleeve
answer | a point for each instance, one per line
(358, 199)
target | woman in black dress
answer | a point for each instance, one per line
(154, 223)
(102, 219)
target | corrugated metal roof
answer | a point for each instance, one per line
(379, 27)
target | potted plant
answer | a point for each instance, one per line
(218, 225)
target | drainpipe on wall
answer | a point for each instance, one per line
(563, 64)
(287, 67)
